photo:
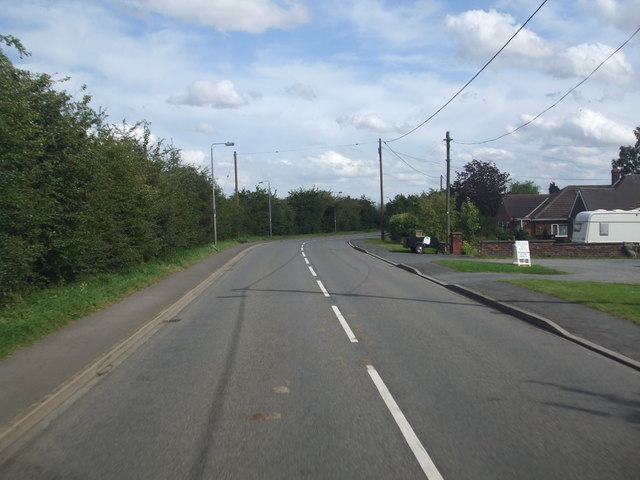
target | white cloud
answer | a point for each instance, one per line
(623, 14)
(217, 94)
(301, 90)
(253, 16)
(582, 126)
(582, 59)
(369, 121)
(334, 165)
(480, 34)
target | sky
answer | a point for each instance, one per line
(306, 89)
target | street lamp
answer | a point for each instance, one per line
(269, 190)
(335, 215)
(213, 194)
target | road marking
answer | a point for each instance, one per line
(312, 271)
(324, 290)
(344, 324)
(428, 467)
(306, 260)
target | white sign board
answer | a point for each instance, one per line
(521, 256)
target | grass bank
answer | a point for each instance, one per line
(619, 299)
(42, 312)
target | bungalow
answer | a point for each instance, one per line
(551, 216)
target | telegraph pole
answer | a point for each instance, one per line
(448, 140)
(381, 192)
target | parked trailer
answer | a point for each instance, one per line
(605, 226)
(418, 244)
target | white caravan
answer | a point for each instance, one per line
(606, 226)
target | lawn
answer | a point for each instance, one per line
(394, 246)
(619, 299)
(496, 267)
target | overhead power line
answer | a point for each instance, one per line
(472, 79)
(559, 100)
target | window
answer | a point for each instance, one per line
(558, 230)
(604, 229)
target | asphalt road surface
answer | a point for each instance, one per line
(313, 360)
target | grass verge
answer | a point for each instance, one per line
(42, 312)
(619, 299)
(394, 246)
(496, 267)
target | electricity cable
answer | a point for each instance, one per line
(472, 79)
(559, 100)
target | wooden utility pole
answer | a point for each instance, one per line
(381, 192)
(448, 140)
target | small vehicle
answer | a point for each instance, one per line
(419, 243)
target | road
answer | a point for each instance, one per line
(313, 360)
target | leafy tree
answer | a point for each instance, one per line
(524, 187)
(628, 160)
(483, 183)
(469, 220)
(553, 188)
(403, 225)
(312, 209)
(433, 213)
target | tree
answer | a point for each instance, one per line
(628, 160)
(469, 220)
(483, 184)
(553, 188)
(527, 187)
(402, 225)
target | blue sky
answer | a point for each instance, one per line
(306, 88)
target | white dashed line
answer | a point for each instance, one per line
(428, 467)
(312, 271)
(344, 324)
(324, 290)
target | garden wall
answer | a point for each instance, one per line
(549, 248)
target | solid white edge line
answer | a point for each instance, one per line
(324, 290)
(344, 324)
(312, 271)
(428, 467)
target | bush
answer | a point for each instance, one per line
(402, 225)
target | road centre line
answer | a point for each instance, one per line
(312, 271)
(427, 465)
(344, 324)
(324, 290)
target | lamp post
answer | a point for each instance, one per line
(269, 192)
(213, 194)
(335, 215)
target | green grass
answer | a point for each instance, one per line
(619, 299)
(394, 246)
(496, 267)
(42, 312)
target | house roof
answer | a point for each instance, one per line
(623, 195)
(519, 206)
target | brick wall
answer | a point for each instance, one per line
(549, 248)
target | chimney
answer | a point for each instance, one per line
(615, 175)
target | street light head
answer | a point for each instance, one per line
(229, 144)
